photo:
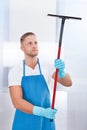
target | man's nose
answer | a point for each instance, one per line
(34, 45)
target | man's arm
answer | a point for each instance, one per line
(23, 105)
(63, 77)
(18, 101)
(66, 81)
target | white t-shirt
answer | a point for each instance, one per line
(16, 73)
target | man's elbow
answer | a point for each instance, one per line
(16, 104)
(68, 84)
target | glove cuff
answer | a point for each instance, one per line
(61, 74)
(38, 110)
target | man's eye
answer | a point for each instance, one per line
(35, 42)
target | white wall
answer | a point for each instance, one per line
(31, 15)
(4, 32)
(75, 48)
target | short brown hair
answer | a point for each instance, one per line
(25, 35)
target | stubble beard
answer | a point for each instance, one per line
(32, 55)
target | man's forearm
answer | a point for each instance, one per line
(66, 81)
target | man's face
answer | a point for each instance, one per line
(30, 46)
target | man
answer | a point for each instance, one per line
(29, 90)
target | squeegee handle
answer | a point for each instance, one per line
(58, 56)
(55, 81)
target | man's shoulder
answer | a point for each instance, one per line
(15, 74)
(17, 66)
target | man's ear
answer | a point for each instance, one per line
(21, 47)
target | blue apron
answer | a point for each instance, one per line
(35, 91)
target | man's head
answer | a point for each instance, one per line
(29, 44)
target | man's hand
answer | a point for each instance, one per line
(60, 65)
(45, 112)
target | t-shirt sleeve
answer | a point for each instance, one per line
(14, 76)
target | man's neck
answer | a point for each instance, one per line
(31, 61)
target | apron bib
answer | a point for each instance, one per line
(35, 91)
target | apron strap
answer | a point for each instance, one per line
(39, 67)
(24, 67)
